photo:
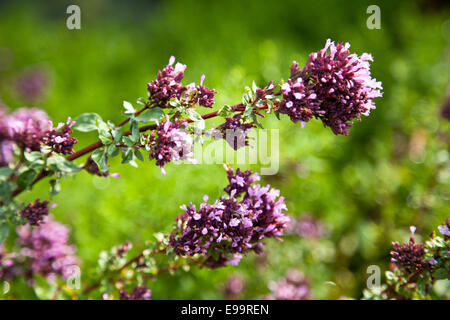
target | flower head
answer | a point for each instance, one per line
(170, 143)
(203, 95)
(32, 84)
(48, 248)
(224, 230)
(444, 228)
(410, 255)
(233, 287)
(293, 286)
(240, 181)
(334, 86)
(59, 138)
(8, 268)
(35, 212)
(27, 126)
(167, 84)
(235, 131)
(140, 292)
(307, 227)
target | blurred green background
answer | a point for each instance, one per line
(392, 171)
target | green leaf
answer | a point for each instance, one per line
(4, 231)
(127, 155)
(25, 178)
(5, 190)
(5, 172)
(138, 155)
(141, 101)
(129, 109)
(422, 285)
(225, 111)
(86, 122)
(99, 157)
(104, 132)
(134, 128)
(62, 164)
(33, 156)
(112, 150)
(152, 114)
(441, 273)
(128, 141)
(193, 115)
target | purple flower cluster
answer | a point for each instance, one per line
(35, 212)
(140, 292)
(8, 268)
(32, 84)
(167, 85)
(235, 131)
(306, 227)
(293, 286)
(410, 255)
(299, 101)
(444, 229)
(230, 227)
(48, 248)
(334, 86)
(6, 145)
(170, 143)
(59, 138)
(233, 287)
(27, 127)
(203, 95)
(239, 181)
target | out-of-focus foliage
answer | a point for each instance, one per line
(392, 171)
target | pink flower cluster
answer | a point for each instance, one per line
(170, 143)
(224, 230)
(48, 248)
(167, 86)
(293, 286)
(334, 86)
(29, 128)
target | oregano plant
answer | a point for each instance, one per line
(334, 87)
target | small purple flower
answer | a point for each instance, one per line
(225, 230)
(8, 269)
(48, 248)
(35, 212)
(240, 181)
(32, 84)
(140, 292)
(334, 86)
(59, 138)
(235, 131)
(307, 227)
(167, 84)
(27, 127)
(299, 101)
(203, 95)
(170, 143)
(233, 287)
(410, 256)
(444, 228)
(293, 286)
